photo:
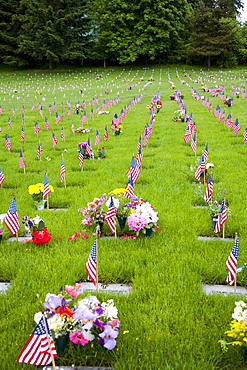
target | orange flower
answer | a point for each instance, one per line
(67, 312)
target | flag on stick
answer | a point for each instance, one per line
(46, 186)
(62, 171)
(193, 143)
(129, 189)
(209, 189)
(7, 142)
(200, 168)
(97, 137)
(231, 263)
(40, 348)
(22, 134)
(222, 217)
(91, 264)
(133, 170)
(236, 127)
(11, 220)
(62, 134)
(2, 177)
(245, 135)
(205, 153)
(22, 164)
(39, 151)
(47, 126)
(80, 157)
(54, 140)
(36, 128)
(187, 134)
(105, 134)
(111, 217)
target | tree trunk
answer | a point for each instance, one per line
(209, 63)
(104, 63)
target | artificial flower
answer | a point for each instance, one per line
(41, 237)
(78, 338)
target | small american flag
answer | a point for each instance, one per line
(205, 153)
(22, 134)
(200, 168)
(62, 134)
(41, 110)
(57, 118)
(236, 127)
(88, 148)
(222, 217)
(46, 186)
(133, 170)
(47, 126)
(50, 109)
(9, 123)
(129, 189)
(91, 264)
(54, 140)
(209, 189)
(105, 134)
(229, 121)
(115, 119)
(11, 220)
(68, 112)
(145, 141)
(22, 164)
(97, 138)
(231, 263)
(62, 171)
(80, 157)
(54, 106)
(84, 117)
(91, 113)
(139, 145)
(39, 151)
(7, 142)
(110, 217)
(72, 127)
(37, 349)
(139, 157)
(245, 135)
(193, 143)
(32, 108)
(187, 134)
(23, 109)
(36, 128)
(13, 113)
(2, 177)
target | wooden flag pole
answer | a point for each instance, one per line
(235, 280)
(49, 342)
(223, 228)
(97, 277)
(47, 206)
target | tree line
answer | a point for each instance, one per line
(47, 32)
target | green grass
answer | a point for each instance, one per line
(172, 324)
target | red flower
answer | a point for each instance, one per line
(41, 237)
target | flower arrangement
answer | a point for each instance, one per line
(121, 203)
(82, 130)
(84, 319)
(1, 232)
(101, 153)
(172, 97)
(143, 216)
(94, 213)
(37, 190)
(158, 105)
(118, 128)
(42, 236)
(238, 331)
(179, 116)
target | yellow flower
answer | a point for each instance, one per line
(118, 191)
(51, 188)
(125, 331)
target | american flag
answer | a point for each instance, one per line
(72, 127)
(68, 103)
(84, 117)
(245, 135)
(115, 119)
(57, 118)
(133, 170)
(80, 157)
(187, 134)
(39, 151)
(217, 111)
(91, 113)
(139, 157)
(193, 143)
(54, 140)
(62, 134)
(200, 168)
(229, 121)
(231, 263)
(139, 145)
(91, 264)
(222, 217)
(112, 126)
(105, 134)
(22, 134)
(32, 108)
(9, 123)
(145, 141)
(46, 186)
(13, 113)
(205, 153)
(11, 220)
(193, 128)
(88, 148)
(46, 124)
(62, 171)
(50, 109)
(54, 106)
(23, 109)
(37, 349)
(110, 217)
(97, 138)
(41, 110)
(7, 142)
(22, 164)
(36, 128)
(68, 112)
(209, 189)
(236, 127)
(129, 189)
(2, 177)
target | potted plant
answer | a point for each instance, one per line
(36, 191)
(1, 234)
(94, 214)
(143, 218)
(101, 153)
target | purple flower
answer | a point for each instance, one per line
(108, 338)
(52, 301)
(136, 222)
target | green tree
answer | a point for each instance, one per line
(54, 31)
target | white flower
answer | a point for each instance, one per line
(110, 311)
(2, 217)
(241, 304)
(56, 322)
(37, 220)
(88, 335)
(37, 317)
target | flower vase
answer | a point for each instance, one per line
(117, 132)
(101, 223)
(40, 205)
(28, 233)
(1, 237)
(149, 232)
(121, 221)
(214, 220)
(61, 343)
(245, 353)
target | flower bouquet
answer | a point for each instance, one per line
(118, 128)
(82, 130)
(81, 319)
(122, 205)
(37, 191)
(158, 105)
(143, 217)
(39, 233)
(101, 153)
(94, 213)
(179, 116)
(238, 331)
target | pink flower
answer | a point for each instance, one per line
(68, 288)
(136, 221)
(85, 236)
(78, 338)
(74, 294)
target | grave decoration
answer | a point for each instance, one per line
(238, 328)
(35, 228)
(133, 213)
(83, 320)
(37, 193)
